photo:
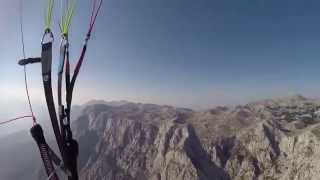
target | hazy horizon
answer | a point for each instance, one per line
(43, 118)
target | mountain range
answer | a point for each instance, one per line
(269, 139)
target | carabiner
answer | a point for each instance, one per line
(49, 33)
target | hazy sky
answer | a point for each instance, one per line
(193, 53)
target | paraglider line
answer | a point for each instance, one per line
(15, 119)
(24, 67)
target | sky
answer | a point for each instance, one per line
(188, 53)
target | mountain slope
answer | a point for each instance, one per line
(136, 141)
(271, 139)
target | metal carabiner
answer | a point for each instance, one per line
(64, 40)
(46, 33)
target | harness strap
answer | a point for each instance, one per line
(37, 134)
(63, 48)
(46, 59)
(71, 145)
(72, 152)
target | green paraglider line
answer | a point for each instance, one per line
(48, 20)
(66, 17)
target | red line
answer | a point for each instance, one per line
(93, 10)
(28, 95)
(24, 56)
(15, 119)
(94, 15)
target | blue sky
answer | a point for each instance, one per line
(179, 52)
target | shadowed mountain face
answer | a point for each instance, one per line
(270, 139)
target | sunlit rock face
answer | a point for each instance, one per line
(271, 139)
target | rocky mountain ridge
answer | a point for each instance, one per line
(270, 139)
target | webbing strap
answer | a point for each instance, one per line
(54, 157)
(75, 75)
(63, 48)
(72, 151)
(46, 60)
(69, 144)
(37, 134)
(65, 126)
(57, 161)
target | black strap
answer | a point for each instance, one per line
(63, 49)
(37, 134)
(67, 133)
(46, 59)
(74, 78)
(68, 147)
(57, 161)
(72, 147)
(55, 158)
(23, 62)
(69, 88)
(72, 152)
